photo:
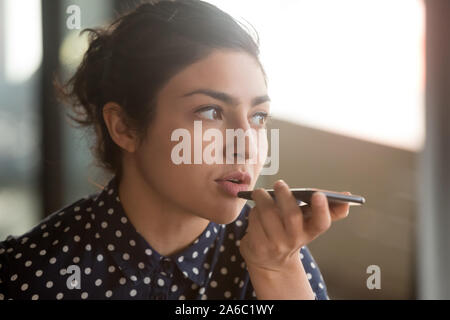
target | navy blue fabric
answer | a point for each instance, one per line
(115, 261)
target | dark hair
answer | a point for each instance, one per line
(130, 61)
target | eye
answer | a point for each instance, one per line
(261, 118)
(211, 112)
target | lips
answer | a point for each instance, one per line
(233, 182)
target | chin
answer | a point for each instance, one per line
(226, 214)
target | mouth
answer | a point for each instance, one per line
(234, 182)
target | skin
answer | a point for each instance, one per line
(170, 205)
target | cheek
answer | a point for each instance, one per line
(155, 158)
(184, 184)
(262, 148)
(190, 187)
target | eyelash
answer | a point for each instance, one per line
(266, 116)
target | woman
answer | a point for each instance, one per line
(161, 230)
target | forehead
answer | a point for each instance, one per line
(236, 73)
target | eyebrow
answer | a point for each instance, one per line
(226, 98)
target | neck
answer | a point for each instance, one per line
(166, 227)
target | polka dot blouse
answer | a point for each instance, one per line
(90, 250)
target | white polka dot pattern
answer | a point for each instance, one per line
(90, 250)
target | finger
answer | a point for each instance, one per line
(269, 216)
(291, 214)
(306, 210)
(340, 211)
(320, 219)
(255, 229)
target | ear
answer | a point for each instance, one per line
(119, 131)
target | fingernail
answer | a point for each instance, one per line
(280, 183)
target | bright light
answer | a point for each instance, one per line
(352, 67)
(23, 39)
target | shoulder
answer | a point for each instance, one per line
(23, 258)
(51, 228)
(313, 273)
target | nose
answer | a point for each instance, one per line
(240, 141)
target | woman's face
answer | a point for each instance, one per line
(192, 187)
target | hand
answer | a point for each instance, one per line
(278, 229)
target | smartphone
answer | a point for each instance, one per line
(303, 196)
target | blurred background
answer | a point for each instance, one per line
(360, 94)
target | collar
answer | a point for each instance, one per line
(134, 255)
